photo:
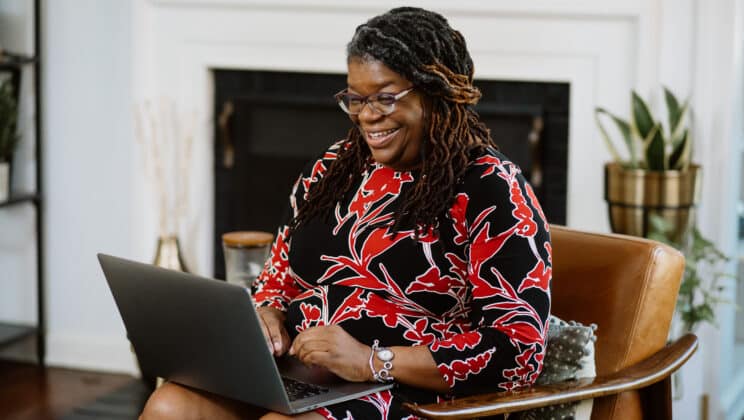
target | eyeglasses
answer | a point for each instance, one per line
(383, 103)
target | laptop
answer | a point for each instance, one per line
(205, 333)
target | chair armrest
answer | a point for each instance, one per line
(649, 371)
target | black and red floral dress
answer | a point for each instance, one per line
(477, 293)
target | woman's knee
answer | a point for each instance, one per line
(168, 402)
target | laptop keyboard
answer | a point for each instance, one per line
(297, 390)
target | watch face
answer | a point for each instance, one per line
(385, 355)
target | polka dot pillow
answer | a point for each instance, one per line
(569, 355)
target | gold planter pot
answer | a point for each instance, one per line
(633, 195)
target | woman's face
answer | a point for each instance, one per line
(395, 140)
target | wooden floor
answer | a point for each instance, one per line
(28, 391)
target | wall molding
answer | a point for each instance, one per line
(91, 352)
(545, 8)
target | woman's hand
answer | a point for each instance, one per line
(272, 324)
(334, 349)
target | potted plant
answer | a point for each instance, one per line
(657, 178)
(8, 135)
(653, 194)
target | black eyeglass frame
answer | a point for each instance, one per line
(370, 100)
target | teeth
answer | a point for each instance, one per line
(379, 134)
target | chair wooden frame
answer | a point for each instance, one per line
(655, 370)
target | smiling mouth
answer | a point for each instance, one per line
(380, 138)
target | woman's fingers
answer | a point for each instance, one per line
(303, 347)
(331, 347)
(273, 328)
(317, 357)
(283, 343)
(267, 335)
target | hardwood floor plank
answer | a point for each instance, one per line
(30, 392)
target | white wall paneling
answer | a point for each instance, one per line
(88, 164)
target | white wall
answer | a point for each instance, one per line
(717, 87)
(87, 176)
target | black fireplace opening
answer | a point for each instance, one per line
(269, 124)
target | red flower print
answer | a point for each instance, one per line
(459, 370)
(311, 316)
(538, 277)
(433, 282)
(459, 222)
(317, 173)
(460, 342)
(417, 335)
(381, 182)
(491, 161)
(525, 374)
(536, 205)
(381, 400)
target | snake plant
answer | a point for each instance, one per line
(649, 145)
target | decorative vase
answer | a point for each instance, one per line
(4, 181)
(168, 253)
(633, 195)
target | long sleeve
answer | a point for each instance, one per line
(276, 286)
(508, 274)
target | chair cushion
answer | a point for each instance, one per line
(569, 355)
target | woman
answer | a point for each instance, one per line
(417, 253)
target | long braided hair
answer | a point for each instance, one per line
(421, 46)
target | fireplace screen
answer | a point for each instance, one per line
(270, 124)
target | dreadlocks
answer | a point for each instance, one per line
(421, 46)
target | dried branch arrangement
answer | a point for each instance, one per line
(166, 137)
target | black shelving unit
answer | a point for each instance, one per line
(15, 64)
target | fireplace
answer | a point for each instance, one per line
(269, 124)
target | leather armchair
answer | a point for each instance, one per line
(627, 286)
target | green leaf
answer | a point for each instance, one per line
(680, 157)
(676, 131)
(642, 118)
(654, 145)
(700, 293)
(677, 116)
(624, 128)
(673, 109)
